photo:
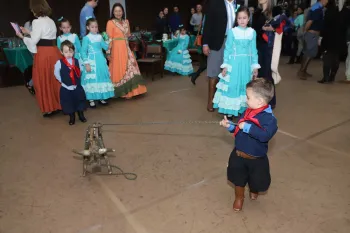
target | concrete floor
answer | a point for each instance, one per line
(181, 185)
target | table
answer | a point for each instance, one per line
(19, 57)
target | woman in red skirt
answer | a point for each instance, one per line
(42, 42)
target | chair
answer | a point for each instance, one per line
(153, 56)
(194, 54)
(193, 49)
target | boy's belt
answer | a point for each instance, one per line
(244, 155)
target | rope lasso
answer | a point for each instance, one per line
(164, 123)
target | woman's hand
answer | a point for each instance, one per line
(224, 72)
(88, 68)
(268, 28)
(25, 31)
(225, 123)
(20, 35)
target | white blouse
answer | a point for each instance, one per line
(28, 26)
(42, 28)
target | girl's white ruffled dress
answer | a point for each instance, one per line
(240, 59)
(97, 83)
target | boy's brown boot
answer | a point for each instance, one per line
(239, 198)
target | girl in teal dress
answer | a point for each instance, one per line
(95, 74)
(179, 60)
(65, 28)
(240, 65)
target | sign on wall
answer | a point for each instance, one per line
(112, 2)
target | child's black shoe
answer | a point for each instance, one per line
(71, 119)
(82, 117)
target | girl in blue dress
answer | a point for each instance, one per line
(179, 60)
(240, 65)
(95, 74)
(65, 28)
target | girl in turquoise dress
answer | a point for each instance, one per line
(240, 65)
(179, 60)
(95, 74)
(65, 28)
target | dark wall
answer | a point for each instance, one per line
(139, 12)
(143, 13)
(18, 11)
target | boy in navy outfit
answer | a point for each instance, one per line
(72, 94)
(248, 163)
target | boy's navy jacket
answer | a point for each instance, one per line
(278, 22)
(252, 139)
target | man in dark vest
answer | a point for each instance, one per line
(219, 19)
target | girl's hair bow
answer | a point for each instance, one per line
(237, 7)
(89, 17)
(60, 19)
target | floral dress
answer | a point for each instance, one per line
(240, 59)
(125, 72)
(97, 83)
(179, 60)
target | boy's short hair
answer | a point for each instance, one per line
(262, 87)
(69, 44)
